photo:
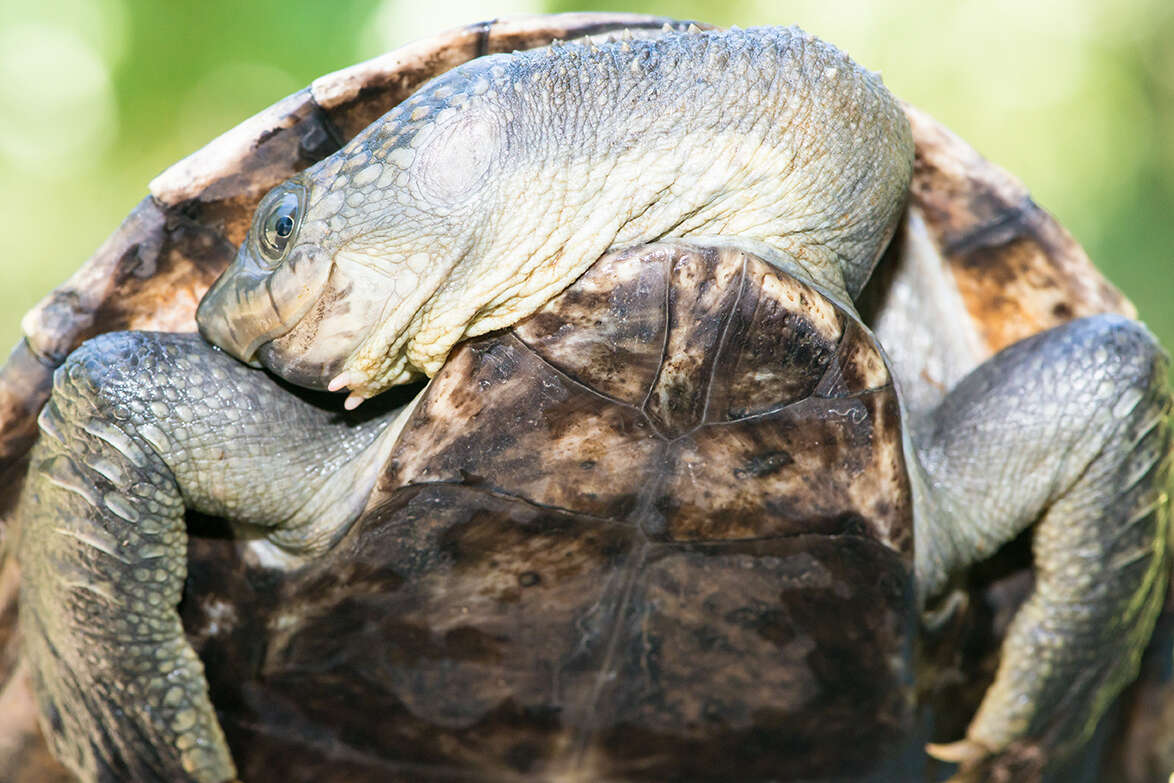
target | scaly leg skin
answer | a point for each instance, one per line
(138, 427)
(1068, 430)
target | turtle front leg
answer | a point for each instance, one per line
(140, 426)
(1069, 430)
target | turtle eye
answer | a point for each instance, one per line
(278, 223)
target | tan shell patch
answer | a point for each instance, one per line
(600, 332)
(1018, 270)
(149, 275)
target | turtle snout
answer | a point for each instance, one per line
(253, 302)
(237, 317)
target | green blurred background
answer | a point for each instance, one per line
(1076, 97)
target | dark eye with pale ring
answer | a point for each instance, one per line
(278, 223)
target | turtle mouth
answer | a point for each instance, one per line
(234, 318)
(250, 305)
(295, 366)
(316, 348)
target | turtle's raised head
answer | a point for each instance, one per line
(490, 190)
(343, 260)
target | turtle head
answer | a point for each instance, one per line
(471, 204)
(342, 258)
(273, 304)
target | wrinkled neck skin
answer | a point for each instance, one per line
(496, 185)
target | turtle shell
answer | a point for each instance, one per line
(605, 548)
(974, 252)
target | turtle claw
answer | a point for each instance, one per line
(347, 380)
(340, 381)
(964, 752)
(969, 756)
(978, 763)
(943, 614)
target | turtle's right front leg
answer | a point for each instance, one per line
(139, 427)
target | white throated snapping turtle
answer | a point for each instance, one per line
(670, 523)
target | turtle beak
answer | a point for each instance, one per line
(240, 313)
(231, 315)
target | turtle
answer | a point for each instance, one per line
(362, 618)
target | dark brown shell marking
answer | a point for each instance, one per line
(763, 416)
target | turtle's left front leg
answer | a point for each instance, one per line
(139, 427)
(1069, 430)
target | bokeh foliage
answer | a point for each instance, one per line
(1076, 97)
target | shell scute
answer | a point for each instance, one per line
(730, 433)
